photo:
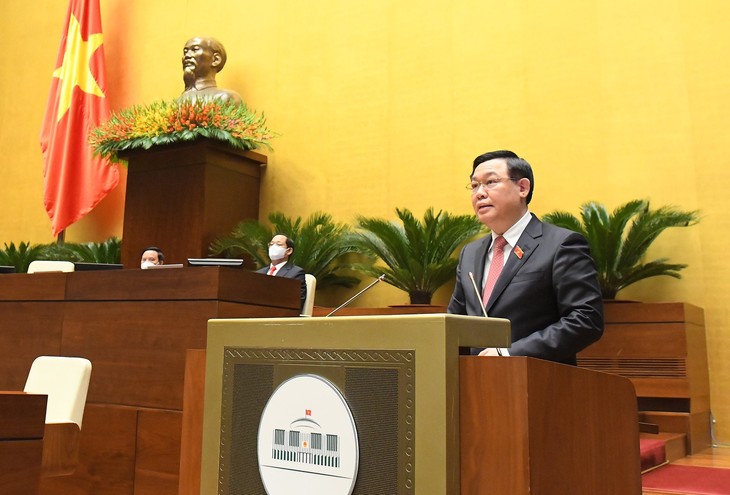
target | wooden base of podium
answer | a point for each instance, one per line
(534, 427)
(182, 197)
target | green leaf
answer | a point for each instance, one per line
(620, 240)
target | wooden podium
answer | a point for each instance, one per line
(181, 197)
(444, 423)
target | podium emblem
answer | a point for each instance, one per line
(307, 439)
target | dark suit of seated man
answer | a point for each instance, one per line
(548, 287)
(280, 249)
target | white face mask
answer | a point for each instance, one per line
(276, 252)
(146, 264)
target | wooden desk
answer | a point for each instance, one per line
(22, 422)
(135, 326)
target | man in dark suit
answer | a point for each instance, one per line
(547, 286)
(280, 249)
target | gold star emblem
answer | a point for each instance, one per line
(74, 70)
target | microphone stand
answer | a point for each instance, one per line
(379, 279)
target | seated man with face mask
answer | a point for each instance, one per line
(151, 256)
(280, 249)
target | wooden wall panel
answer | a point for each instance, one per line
(191, 443)
(20, 466)
(22, 422)
(106, 455)
(158, 452)
(137, 348)
(27, 330)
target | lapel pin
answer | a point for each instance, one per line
(519, 252)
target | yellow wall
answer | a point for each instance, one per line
(383, 104)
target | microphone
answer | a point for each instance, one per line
(481, 303)
(479, 295)
(379, 279)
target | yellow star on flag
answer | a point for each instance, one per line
(74, 70)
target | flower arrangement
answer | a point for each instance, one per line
(167, 122)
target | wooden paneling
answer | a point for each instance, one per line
(158, 452)
(60, 449)
(137, 348)
(533, 427)
(191, 444)
(22, 416)
(34, 287)
(22, 421)
(106, 454)
(184, 196)
(633, 312)
(20, 466)
(135, 326)
(206, 283)
(27, 330)
(661, 347)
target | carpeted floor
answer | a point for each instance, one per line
(652, 453)
(688, 479)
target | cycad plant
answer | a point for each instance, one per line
(21, 255)
(417, 255)
(321, 245)
(109, 251)
(619, 240)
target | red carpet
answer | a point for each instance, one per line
(652, 453)
(688, 479)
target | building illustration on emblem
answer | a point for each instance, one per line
(305, 443)
(313, 453)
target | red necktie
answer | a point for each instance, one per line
(272, 270)
(495, 267)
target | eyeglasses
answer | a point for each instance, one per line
(490, 184)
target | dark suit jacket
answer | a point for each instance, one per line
(551, 296)
(290, 270)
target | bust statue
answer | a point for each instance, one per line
(203, 58)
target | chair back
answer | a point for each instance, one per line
(65, 380)
(38, 266)
(311, 282)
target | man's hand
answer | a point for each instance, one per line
(489, 351)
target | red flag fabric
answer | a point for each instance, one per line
(74, 180)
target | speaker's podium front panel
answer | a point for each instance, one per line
(328, 406)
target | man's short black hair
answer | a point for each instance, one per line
(517, 167)
(160, 256)
(289, 241)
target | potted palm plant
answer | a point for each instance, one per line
(619, 248)
(659, 346)
(321, 245)
(417, 256)
(20, 256)
(109, 251)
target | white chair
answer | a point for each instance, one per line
(311, 282)
(65, 380)
(39, 266)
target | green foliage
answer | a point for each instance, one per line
(321, 245)
(109, 251)
(167, 122)
(417, 254)
(619, 240)
(20, 256)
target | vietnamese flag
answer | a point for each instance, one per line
(74, 180)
